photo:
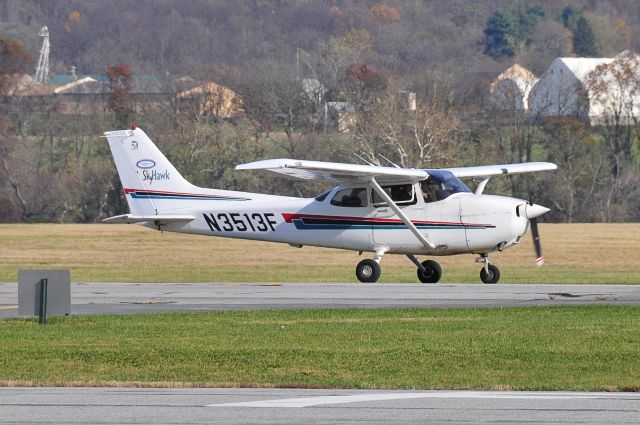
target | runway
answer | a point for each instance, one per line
(119, 298)
(293, 406)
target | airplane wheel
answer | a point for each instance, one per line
(492, 277)
(368, 271)
(432, 272)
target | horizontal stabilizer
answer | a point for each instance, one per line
(131, 218)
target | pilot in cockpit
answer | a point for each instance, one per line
(429, 189)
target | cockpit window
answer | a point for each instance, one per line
(355, 197)
(440, 185)
(401, 194)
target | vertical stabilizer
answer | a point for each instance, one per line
(146, 174)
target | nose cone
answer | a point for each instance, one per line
(534, 210)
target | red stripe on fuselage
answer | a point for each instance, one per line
(161, 192)
(288, 217)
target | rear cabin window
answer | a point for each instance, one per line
(401, 194)
(355, 197)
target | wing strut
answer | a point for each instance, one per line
(399, 213)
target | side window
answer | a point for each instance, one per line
(355, 197)
(401, 194)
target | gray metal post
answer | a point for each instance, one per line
(43, 301)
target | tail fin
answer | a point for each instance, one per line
(146, 174)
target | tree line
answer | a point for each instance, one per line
(371, 55)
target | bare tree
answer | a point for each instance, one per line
(615, 97)
(576, 185)
(614, 90)
(413, 137)
(120, 100)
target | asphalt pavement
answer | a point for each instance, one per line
(296, 406)
(119, 298)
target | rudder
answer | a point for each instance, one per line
(146, 174)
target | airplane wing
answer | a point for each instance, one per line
(336, 172)
(495, 170)
(132, 219)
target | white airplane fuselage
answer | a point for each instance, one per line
(461, 223)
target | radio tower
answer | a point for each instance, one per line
(42, 71)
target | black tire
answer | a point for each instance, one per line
(492, 277)
(432, 273)
(368, 271)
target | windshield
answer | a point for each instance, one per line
(440, 185)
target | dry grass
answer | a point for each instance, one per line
(100, 252)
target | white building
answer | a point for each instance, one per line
(590, 89)
(511, 89)
(314, 89)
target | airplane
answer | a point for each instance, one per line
(376, 209)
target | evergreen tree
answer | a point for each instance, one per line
(524, 19)
(584, 40)
(570, 16)
(508, 30)
(496, 40)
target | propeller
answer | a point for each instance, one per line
(532, 212)
(536, 242)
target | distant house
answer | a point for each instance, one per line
(511, 89)
(341, 115)
(563, 89)
(314, 89)
(24, 85)
(79, 95)
(75, 85)
(88, 94)
(408, 100)
(212, 98)
(591, 89)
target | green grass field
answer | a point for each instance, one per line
(561, 348)
(593, 348)
(575, 253)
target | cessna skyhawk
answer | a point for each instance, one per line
(381, 210)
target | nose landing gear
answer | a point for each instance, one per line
(488, 273)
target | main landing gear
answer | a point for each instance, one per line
(368, 270)
(428, 271)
